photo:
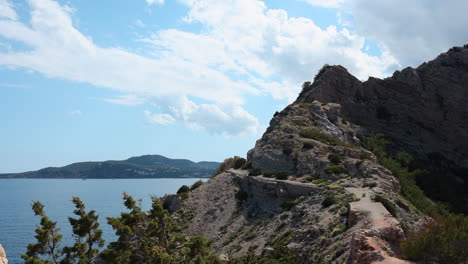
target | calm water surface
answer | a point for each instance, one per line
(17, 221)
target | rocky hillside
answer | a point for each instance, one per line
(3, 259)
(147, 166)
(312, 186)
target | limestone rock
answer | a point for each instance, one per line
(3, 257)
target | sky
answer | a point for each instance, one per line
(87, 80)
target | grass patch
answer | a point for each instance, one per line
(386, 203)
(288, 205)
(318, 135)
(335, 169)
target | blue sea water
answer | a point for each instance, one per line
(17, 221)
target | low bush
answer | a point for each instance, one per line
(320, 181)
(336, 158)
(242, 196)
(239, 162)
(268, 174)
(445, 240)
(335, 169)
(307, 145)
(328, 201)
(255, 172)
(196, 185)
(318, 135)
(282, 175)
(287, 150)
(247, 166)
(183, 189)
(289, 204)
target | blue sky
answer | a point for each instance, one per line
(198, 79)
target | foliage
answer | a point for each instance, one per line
(335, 169)
(280, 254)
(328, 201)
(320, 181)
(239, 162)
(318, 135)
(307, 145)
(287, 150)
(400, 169)
(445, 240)
(247, 166)
(183, 189)
(289, 204)
(268, 174)
(196, 185)
(225, 165)
(282, 175)
(241, 196)
(255, 172)
(336, 158)
(48, 240)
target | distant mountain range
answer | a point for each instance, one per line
(147, 166)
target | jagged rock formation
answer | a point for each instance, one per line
(339, 204)
(423, 111)
(3, 258)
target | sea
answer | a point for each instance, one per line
(17, 221)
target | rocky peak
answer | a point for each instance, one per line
(422, 111)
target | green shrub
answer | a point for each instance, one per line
(335, 169)
(307, 145)
(255, 172)
(287, 150)
(241, 195)
(247, 166)
(282, 175)
(183, 189)
(365, 156)
(336, 158)
(443, 241)
(318, 135)
(239, 162)
(289, 204)
(196, 185)
(225, 165)
(399, 167)
(268, 174)
(328, 201)
(320, 181)
(386, 203)
(370, 184)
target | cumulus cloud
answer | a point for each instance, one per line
(244, 48)
(413, 31)
(7, 11)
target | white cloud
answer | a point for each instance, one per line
(139, 23)
(160, 119)
(7, 11)
(15, 85)
(244, 48)
(152, 2)
(325, 3)
(76, 112)
(413, 31)
(129, 99)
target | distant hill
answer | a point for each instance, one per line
(147, 166)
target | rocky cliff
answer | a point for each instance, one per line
(3, 259)
(422, 111)
(331, 199)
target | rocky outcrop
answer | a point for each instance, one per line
(422, 111)
(3, 258)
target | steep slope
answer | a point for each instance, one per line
(147, 166)
(339, 204)
(422, 111)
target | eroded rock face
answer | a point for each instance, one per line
(3, 259)
(422, 111)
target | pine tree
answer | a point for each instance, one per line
(86, 233)
(48, 240)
